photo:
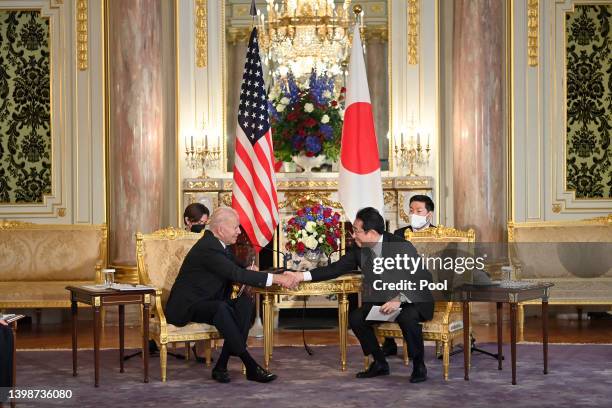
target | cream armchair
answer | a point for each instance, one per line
(159, 258)
(446, 326)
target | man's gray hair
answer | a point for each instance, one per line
(221, 216)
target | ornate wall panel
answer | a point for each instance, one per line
(589, 101)
(51, 111)
(561, 130)
(25, 110)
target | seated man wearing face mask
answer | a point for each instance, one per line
(421, 216)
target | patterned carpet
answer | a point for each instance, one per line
(579, 376)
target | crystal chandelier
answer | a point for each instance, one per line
(301, 35)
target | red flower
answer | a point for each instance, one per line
(334, 103)
(300, 247)
(301, 212)
(293, 115)
(288, 246)
(310, 122)
(327, 212)
(337, 233)
(330, 240)
(342, 90)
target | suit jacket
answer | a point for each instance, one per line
(207, 273)
(358, 258)
(401, 232)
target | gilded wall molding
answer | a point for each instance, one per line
(201, 32)
(82, 34)
(532, 32)
(413, 32)
(299, 199)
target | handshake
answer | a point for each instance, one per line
(289, 280)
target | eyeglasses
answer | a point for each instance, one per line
(357, 230)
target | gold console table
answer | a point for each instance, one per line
(341, 286)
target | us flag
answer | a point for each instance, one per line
(254, 191)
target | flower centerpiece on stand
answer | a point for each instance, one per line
(314, 231)
(306, 120)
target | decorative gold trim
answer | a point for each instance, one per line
(413, 32)
(170, 233)
(8, 224)
(307, 184)
(82, 34)
(61, 212)
(226, 199)
(390, 197)
(412, 182)
(201, 30)
(300, 199)
(204, 184)
(440, 233)
(400, 208)
(556, 208)
(603, 220)
(96, 301)
(532, 31)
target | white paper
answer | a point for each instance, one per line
(377, 315)
(127, 286)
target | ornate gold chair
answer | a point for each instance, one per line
(159, 258)
(447, 323)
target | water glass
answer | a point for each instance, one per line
(506, 272)
(109, 277)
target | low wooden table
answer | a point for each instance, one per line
(110, 297)
(12, 322)
(501, 295)
(341, 286)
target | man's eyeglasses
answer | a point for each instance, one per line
(357, 230)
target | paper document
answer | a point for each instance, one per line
(127, 286)
(376, 314)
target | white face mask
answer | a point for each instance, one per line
(417, 221)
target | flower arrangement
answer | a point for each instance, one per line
(306, 118)
(314, 228)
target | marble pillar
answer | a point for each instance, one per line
(136, 137)
(478, 118)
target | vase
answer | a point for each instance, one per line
(308, 163)
(313, 258)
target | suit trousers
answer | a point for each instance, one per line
(409, 321)
(6, 361)
(232, 317)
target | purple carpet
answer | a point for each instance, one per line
(579, 376)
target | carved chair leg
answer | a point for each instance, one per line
(187, 351)
(446, 359)
(163, 359)
(208, 352)
(521, 322)
(405, 351)
(438, 349)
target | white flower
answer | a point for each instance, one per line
(310, 226)
(327, 95)
(309, 107)
(274, 92)
(284, 100)
(293, 242)
(341, 113)
(320, 240)
(311, 243)
(325, 119)
(280, 107)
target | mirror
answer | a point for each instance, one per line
(238, 25)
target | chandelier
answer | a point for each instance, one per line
(302, 35)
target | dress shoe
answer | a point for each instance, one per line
(260, 375)
(419, 373)
(389, 347)
(220, 375)
(374, 370)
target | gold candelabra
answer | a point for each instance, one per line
(412, 154)
(202, 157)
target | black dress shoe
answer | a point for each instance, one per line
(220, 375)
(374, 370)
(389, 347)
(260, 375)
(419, 373)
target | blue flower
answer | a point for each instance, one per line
(310, 217)
(313, 144)
(327, 130)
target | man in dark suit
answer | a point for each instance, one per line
(421, 216)
(201, 293)
(6, 362)
(416, 306)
